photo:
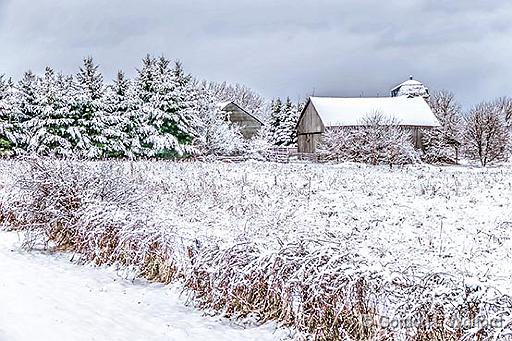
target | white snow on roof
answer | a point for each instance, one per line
(352, 111)
(409, 82)
(222, 105)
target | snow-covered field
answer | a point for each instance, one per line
(48, 298)
(403, 225)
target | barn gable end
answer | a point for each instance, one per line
(249, 125)
(309, 129)
(309, 120)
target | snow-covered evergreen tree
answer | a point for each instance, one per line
(8, 120)
(26, 110)
(165, 108)
(275, 120)
(122, 120)
(50, 126)
(88, 110)
(283, 122)
(289, 127)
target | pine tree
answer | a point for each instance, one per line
(50, 127)
(167, 115)
(275, 120)
(8, 139)
(123, 123)
(26, 110)
(289, 126)
(175, 117)
(88, 111)
(146, 79)
(283, 121)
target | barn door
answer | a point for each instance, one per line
(310, 143)
(306, 143)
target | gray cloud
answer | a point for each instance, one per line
(344, 48)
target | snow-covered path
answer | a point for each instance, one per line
(45, 297)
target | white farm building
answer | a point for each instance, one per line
(409, 109)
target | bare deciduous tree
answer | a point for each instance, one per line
(505, 107)
(242, 95)
(486, 134)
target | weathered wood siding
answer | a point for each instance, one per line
(249, 125)
(307, 143)
(416, 136)
(310, 121)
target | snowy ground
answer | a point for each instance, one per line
(45, 297)
(416, 220)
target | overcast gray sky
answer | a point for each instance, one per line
(279, 48)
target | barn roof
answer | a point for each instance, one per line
(223, 105)
(335, 111)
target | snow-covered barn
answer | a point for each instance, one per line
(249, 125)
(322, 113)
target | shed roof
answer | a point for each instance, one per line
(335, 111)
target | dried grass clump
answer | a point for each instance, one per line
(302, 284)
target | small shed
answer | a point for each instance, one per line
(249, 125)
(322, 113)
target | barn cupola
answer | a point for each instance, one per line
(410, 88)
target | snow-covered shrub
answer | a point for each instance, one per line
(260, 146)
(335, 144)
(378, 140)
(215, 135)
(436, 151)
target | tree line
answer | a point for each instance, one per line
(163, 112)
